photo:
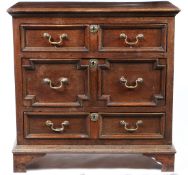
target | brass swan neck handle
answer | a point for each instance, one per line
(124, 81)
(131, 43)
(51, 125)
(56, 43)
(62, 80)
(126, 124)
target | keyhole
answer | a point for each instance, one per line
(94, 117)
(93, 63)
(94, 28)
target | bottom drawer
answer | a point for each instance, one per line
(46, 125)
(109, 126)
(132, 126)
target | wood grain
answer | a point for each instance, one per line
(161, 8)
(94, 89)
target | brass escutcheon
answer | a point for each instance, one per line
(94, 28)
(93, 63)
(94, 117)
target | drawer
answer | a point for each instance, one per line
(132, 126)
(132, 82)
(54, 82)
(133, 37)
(66, 38)
(56, 125)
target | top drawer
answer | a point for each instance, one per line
(133, 37)
(72, 38)
(130, 37)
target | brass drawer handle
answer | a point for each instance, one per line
(125, 124)
(125, 37)
(61, 38)
(51, 125)
(124, 81)
(62, 81)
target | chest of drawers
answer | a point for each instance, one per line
(94, 78)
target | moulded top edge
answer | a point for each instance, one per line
(163, 7)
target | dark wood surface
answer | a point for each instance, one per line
(33, 40)
(79, 126)
(70, 95)
(152, 126)
(72, 7)
(145, 149)
(24, 155)
(94, 88)
(154, 37)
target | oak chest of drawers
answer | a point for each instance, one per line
(94, 78)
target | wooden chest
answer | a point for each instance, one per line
(94, 78)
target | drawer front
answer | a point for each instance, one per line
(133, 37)
(132, 82)
(55, 125)
(54, 38)
(132, 126)
(55, 82)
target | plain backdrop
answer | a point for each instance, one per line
(7, 101)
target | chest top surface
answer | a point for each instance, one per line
(160, 8)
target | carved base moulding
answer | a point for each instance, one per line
(24, 154)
